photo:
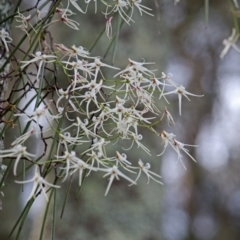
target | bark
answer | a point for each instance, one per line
(5, 7)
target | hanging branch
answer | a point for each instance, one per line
(5, 7)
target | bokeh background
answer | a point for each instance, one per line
(202, 203)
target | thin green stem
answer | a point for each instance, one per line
(22, 215)
(116, 39)
(54, 214)
(45, 215)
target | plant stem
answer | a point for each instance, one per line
(5, 7)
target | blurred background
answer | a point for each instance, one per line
(202, 203)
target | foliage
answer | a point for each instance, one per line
(98, 110)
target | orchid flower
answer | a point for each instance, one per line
(181, 146)
(24, 21)
(42, 58)
(121, 159)
(109, 27)
(150, 175)
(180, 91)
(93, 156)
(119, 7)
(141, 8)
(69, 22)
(114, 173)
(167, 139)
(137, 138)
(68, 158)
(4, 36)
(74, 3)
(230, 42)
(18, 151)
(39, 113)
(168, 116)
(80, 165)
(38, 181)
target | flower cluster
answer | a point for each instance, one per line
(99, 110)
(103, 112)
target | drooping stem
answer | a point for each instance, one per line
(5, 7)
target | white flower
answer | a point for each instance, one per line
(99, 121)
(122, 160)
(141, 8)
(169, 117)
(24, 21)
(39, 113)
(74, 3)
(99, 144)
(4, 36)
(109, 27)
(63, 49)
(38, 182)
(119, 110)
(41, 58)
(66, 94)
(230, 42)
(119, 7)
(181, 146)
(137, 138)
(76, 66)
(80, 165)
(69, 22)
(155, 84)
(96, 157)
(97, 64)
(83, 127)
(167, 139)
(180, 91)
(65, 139)
(64, 11)
(150, 175)
(80, 51)
(123, 127)
(18, 151)
(139, 115)
(168, 78)
(89, 96)
(24, 137)
(137, 67)
(88, 1)
(146, 99)
(115, 173)
(68, 158)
